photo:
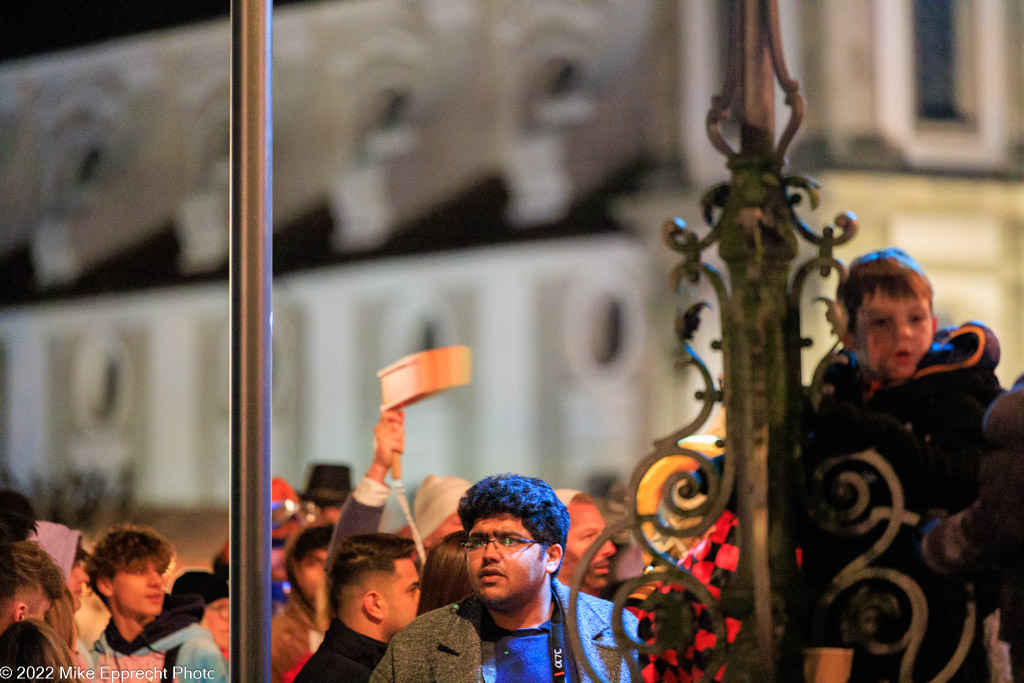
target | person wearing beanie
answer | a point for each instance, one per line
(64, 545)
(436, 507)
(213, 589)
(585, 524)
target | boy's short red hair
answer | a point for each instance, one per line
(891, 271)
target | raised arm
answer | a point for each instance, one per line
(363, 510)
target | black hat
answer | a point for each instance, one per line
(200, 582)
(327, 484)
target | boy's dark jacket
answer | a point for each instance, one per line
(930, 430)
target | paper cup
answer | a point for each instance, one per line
(827, 664)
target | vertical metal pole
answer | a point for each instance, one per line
(758, 243)
(757, 90)
(251, 316)
(755, 294)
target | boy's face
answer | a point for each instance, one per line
(891, 336)
(135, 595)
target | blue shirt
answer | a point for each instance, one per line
(515, 656)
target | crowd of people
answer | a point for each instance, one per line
(489, 601)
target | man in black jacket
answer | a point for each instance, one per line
(373, 591)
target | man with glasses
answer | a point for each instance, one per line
(513, 627)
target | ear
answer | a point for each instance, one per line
(106, 587)
(850, 340)
(20, 610)
(935, 325)
(554, 558)
(374, 605)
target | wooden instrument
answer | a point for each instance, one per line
(419, 376)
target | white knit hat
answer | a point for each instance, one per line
(566, 495)
(437, 499)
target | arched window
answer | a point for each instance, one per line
(608, 339)
(936, 57)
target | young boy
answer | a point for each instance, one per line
(150, 634)
(915, 395)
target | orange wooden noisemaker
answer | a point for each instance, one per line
(419, 376)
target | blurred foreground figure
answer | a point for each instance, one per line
(33, 650)
(988, 536)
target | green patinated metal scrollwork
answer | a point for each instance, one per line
(757, 232)
(825, 262)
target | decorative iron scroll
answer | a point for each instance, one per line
(690, 499)
(753, 222)
(876, 609)
(721, 104)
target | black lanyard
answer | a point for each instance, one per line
(559, 654)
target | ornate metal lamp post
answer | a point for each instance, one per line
(752, 220)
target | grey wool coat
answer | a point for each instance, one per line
(443, 645)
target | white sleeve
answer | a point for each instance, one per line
(371, 493)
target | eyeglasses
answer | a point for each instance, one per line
(502, 543)
(224, 610)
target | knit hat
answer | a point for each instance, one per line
(437, 499)
(59, 542)
(202, 583)
(566, 495)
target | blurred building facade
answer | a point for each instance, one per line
(459, 172)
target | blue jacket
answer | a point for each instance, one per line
(176, 627)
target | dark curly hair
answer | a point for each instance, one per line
(531, 500)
